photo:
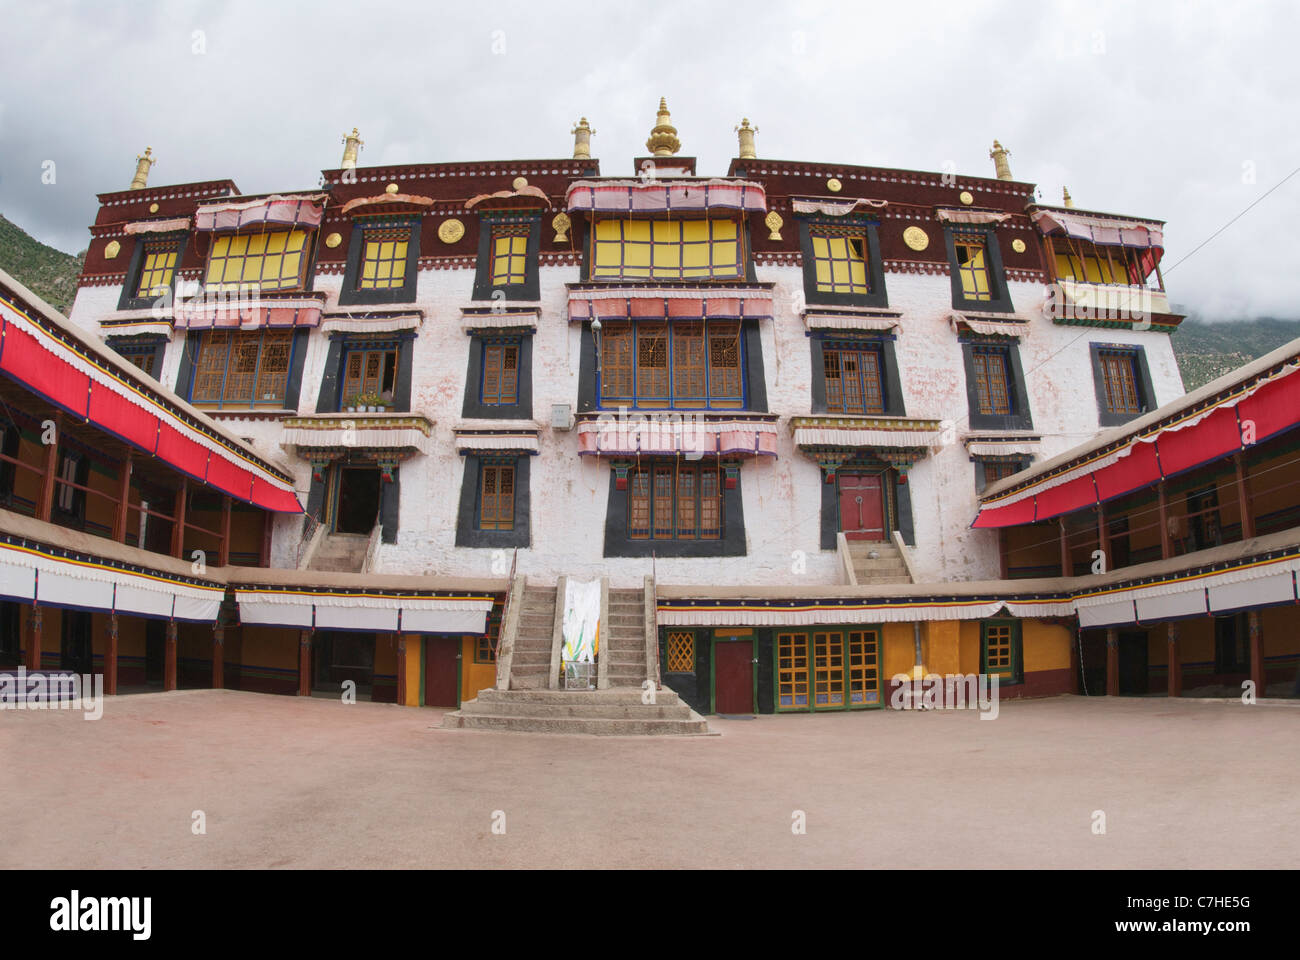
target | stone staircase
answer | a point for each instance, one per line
(617, 712)
(531, 667)
(886, 567)
(622, 640)
(342, 552)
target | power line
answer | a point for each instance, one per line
(1236, 218)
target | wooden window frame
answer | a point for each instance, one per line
(993, 381)
(623, 354)
(876, 294)
(352, 292)
(1107, 414)
(266, 238)
(999, 297)
(1019, 416)
(1014, 671)
(663, 504)
(528, 225)
(350, 387)
(685, 651)
(873, 403)
(131, 299)
(234, 337)
(377, 237)
(661, 248)
(497, 388)
(496, 512)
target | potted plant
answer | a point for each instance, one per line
(353, 402)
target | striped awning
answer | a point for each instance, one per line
(1009, 326)
(323, 609)
(157, 226)
(855, 437)
(286, 210)
(1108, 231)
(845, 320)
(654, 196)
(247, 313)
(625, 303)
(667, 435)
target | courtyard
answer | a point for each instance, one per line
(310, 782)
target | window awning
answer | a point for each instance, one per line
(488, 318)
(627, 303)
(1008, 326)
(91, 583)
(853, 432)
(157, 226)
(835, 208)
(1271, 404)
(503, 437)
(248, 313)
(654, 196)
(962, 215)
(370, 612)
(878, 321)
(360, 323)
(118, 399)
(665, 435)
(281, 210)
(359, 431)
(1107, 231)
(1001, 447)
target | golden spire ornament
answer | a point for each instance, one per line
(745, 133)
(663, 140)
(352, 144)
(142, 164)
(999, 155)
(582, 139)
(1066, 198)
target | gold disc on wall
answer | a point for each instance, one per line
(916, 238)
(449, 231)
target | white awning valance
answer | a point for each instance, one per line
(958, 215)
(345, 323)
(851, 437)
(324, 610)
(613, 436)
(656, 195)
(835, 208)
(1112, 231)
(840, 320)
(1002, 327)
(157, 226)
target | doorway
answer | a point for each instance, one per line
(75, 652)
(341, 656)
(442, 660)
(733, 676)
(862, 506)
(1203, 513)
(1133, 663)
(155, 644)
(357, 507)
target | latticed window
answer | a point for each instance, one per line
(1085, 262)
(497, 497)
(1119, 372)
(244, 368)
(509, 255)
(792, 671)
(383, 259)
(992, 394)
(484, 651)
(157, 270)
(853, 380)
(682, 364)
(995, 470)
(263, 261)
(1001, 650)
(864, 666)
(675, 501)
(972, 268)
(680, 652)
(667, 250)
(500, 373)
(369, 372)
(828, 669)
(141, 355)
(840, 261)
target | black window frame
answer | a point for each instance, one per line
(469, 512)
(473, 407)
(1000, 296)
(618, 543)
(982, 481)
(891, 387)
(351, 293)
(147, 344)
(74, 516)
(529, 289)
(1142, 381)
(128, 300)
(188, 372)
(329, 397)
(879, 295)
(1017, 649)
(1020, 417)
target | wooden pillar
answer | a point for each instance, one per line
(1166, 546)
(45, 502)
(178, 524)
(1112, 663)
(110, 657)
(169, 657)
(123, 501)
(1065, 551)
(1175, 663)
(304, 663)
(1243, 498)
(1103, 540)
(218, 656)
(34, 638)
(223, 553)
(401, 670)
(1257, 674)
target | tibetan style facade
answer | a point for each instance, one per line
(811, 425)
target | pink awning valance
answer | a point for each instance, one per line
(1107, 231)
(835, 208)
(249, 314)
(957, 215)
(654, 196)
(669, 434)
(684, 305)
(285, 210)
(157, 226)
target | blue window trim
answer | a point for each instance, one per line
(671, 402)
(350, 346)
(225, 370)
(500, 341)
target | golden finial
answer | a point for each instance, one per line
(999, 154)
(142, 164)
(582, 140)
(746, 135)
(1065, 194)
(352, 143)
(663, 140)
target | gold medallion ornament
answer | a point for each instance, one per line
(519, 183)
(774, 225)
(391, 188)
(1018, 245)
(449, 231)
(966, 198)
(916, 238)
(333, 240)
(561, 224)
(153, 208)
(112, 250)
(833, 185)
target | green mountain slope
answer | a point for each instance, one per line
(51, 274)
(1209, 350)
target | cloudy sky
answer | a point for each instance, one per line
(1183, 111)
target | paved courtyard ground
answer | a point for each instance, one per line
(289, 782)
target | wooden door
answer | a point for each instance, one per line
(1132, 662)
(441, 672)
(733, 680)
(862, 506)
(76, 647)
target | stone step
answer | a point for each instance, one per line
(612, 695)
(529, 681)
(876, 581)
(597, 726)
(608, 711)
(531, 657)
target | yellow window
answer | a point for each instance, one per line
(266, 261)
(667, 250)
(973, 269)
(157, 272)
(840, 264)
(509, 257)
(383, 265)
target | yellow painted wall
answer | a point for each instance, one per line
(1280, 630)
(970, 647)
(941, 646)
(270, 647)
(1045, 646)
(897, 654)
(410, 697)
(474, 676)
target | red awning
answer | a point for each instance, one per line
(250, 312)
(96, 392)
(686, 306)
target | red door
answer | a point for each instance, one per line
(862, 507)
(733, 684)
(441, 676)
